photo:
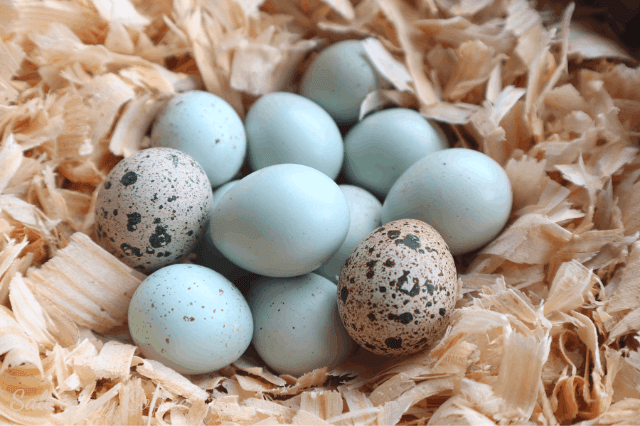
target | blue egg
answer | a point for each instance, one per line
(207, 128)
(364, 210)
(464, 194)
(288, 128)
(190, 318)
(281, 221)
(297, 324)
(385, 144)
(339, 79)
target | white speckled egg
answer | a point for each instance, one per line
(153, 207)
(398, 288)
(364, 210)
(281, 221)
(207, 128)
(381, 147)
(339, 79)
(190, 318)
(464, 194)
(296, 324)
(288, 128)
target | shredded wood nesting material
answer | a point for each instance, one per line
(546, 330)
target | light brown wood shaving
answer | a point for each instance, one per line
(546, 328)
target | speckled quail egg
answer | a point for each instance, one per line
(397, 288)
(153, 207)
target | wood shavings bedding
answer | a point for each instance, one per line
(546, 330)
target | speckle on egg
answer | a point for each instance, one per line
(397, 289)
(153, 207)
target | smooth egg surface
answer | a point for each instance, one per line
(381, 147)
(190, 318)
(364, 210)
(297, 325)
(464, 194)
(398, 288)
(206, 127)
(281, 221)
(339, 79)
(153, 207)
(288, 128)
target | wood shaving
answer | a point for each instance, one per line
(546, 328)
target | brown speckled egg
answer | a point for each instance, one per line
(397, 288)
(153, 207)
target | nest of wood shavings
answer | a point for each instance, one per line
(546, 330)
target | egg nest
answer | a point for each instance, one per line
(546, 326)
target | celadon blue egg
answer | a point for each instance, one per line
(210, 255)
(207, 128)
(464, 194)
(364, 210)
(190, 318)
(281, 221)
(297, 324)
(339, 79)
(385, 144)
(288, 128)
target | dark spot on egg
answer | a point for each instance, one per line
(107, 185)
(393, 234)
(410, 241)
(344, 294)
(443, 311)
(405, 318)
(393, 343)
(133, 220)
(129, 178)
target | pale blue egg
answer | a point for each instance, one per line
(211, 256)
(281, 221)
(339, 79)
(364, 210)
(385, 144)
(206, 127)
(464, 194)
(190, 318)
(288, 128)
(297, 324)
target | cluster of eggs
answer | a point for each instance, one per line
(368, 262)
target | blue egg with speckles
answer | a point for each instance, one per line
(190, 318)
(207, 128)
(281, 221)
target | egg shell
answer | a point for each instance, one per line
(206, 127)
(398, 288)
(297, 326)
(364, 210)
(281, 221)
(464, 194)
(339, 79)
(288, 128)
(210, 256)
(153, 207)
(381, 147)
(190, 318)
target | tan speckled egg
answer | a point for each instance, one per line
(153, 207)
(397, 288)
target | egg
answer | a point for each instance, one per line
(288, 128)
(385, 144)
(153, 207)
(364, 210)
(209, 255)
(398, 288)
(464, 194)
(281, 221)
(297, 327)
(190, 318)
(207, 128)
(339, 79)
